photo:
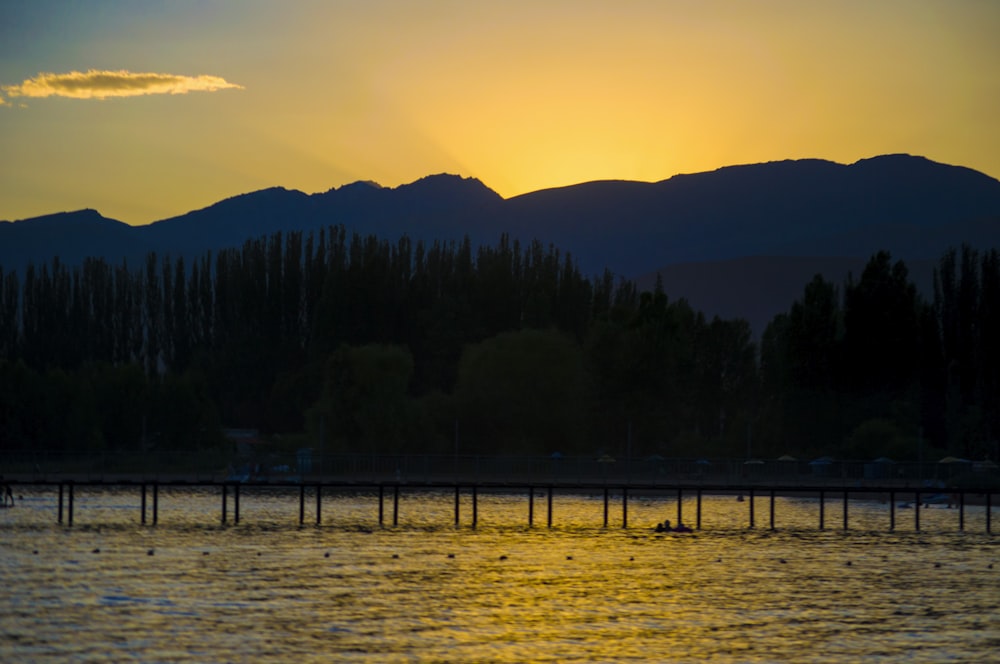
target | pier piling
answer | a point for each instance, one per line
(680, 506)
(961, 511)
(319, 504)
(395, 505)
(550, 506)
(607, 491)
(624, 507)
(822, 509)
(381, 504)
(236, 504)
(845, 510)
(772, 510)
(531, 506)
(892, 511)
(302, 504)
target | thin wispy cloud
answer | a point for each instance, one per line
(96, 84)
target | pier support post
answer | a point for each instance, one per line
(845, 509)
(69, 507)
(395, 505)
(822, 508)
(989, 510)
(916, 511)
(236, 504)
(142, 519)
(458, 497)
(680, 506)
(156, 503)
(302, 504)
(772, 509)
(961, 510)
(475, 506)
(319, 504)
(751, 508)
(892, 511)
(550, 506)
(381, 504)
(531, 506)
(605, 506)
(625, 507)
(225, 495)
(698, 512)
(60, 502)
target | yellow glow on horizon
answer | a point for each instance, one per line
(598, 95)
(522, 95)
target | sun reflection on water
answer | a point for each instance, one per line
(191, 589)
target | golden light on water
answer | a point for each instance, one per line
(190, 590)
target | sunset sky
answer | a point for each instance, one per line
(146, 110)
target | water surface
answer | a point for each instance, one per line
(193, 590)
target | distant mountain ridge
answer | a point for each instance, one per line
(803, 209)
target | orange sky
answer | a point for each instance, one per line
(176, 105)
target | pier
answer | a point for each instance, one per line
(148, 494)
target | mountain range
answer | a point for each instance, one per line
(739, 241)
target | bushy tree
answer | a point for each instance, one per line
(523, 392)
(365, 405)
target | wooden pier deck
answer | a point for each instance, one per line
(390, 491)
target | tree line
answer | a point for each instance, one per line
(355, 343)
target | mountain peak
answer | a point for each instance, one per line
(75, 218)
(357, 185)
(448, 184)
(918, 168)
(267, 194)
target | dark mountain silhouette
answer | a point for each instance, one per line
(735, 241)
(70, 236)
(434, 207)
(908, 205)
(229, 222)
(759, 287)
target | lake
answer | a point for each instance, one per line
(193, 590)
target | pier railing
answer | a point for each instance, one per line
(312, 466)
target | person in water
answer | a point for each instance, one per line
(7, 495)
(665, 527)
